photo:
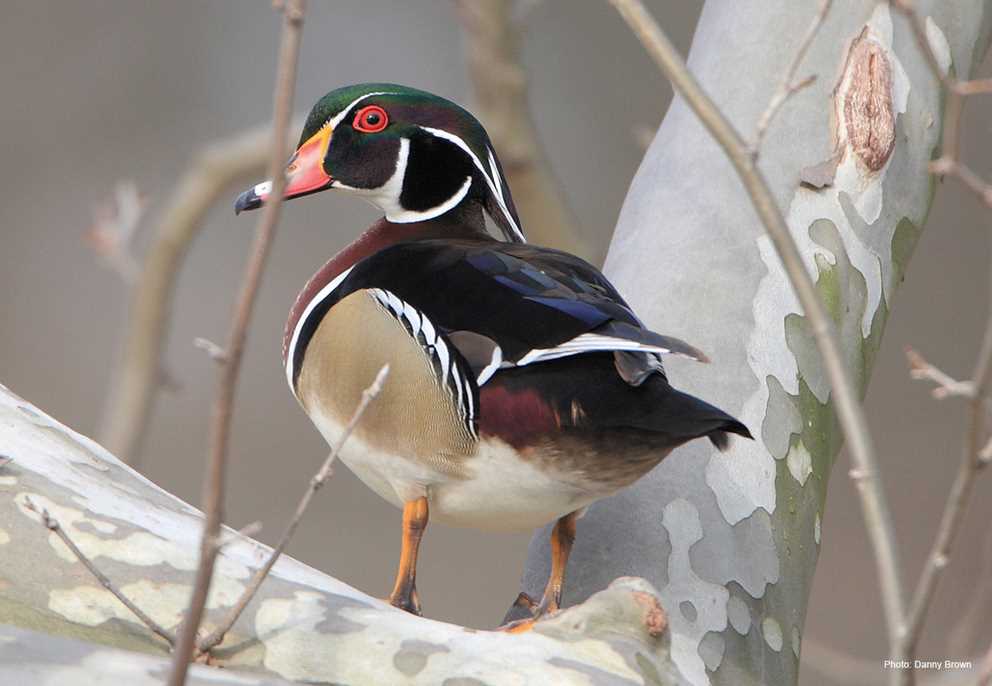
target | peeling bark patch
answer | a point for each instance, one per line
(688, 610)
(869, 118)
(816, 529)
(681, 519)
(938, 45)
(596, 676)
(796, 643)
(820, 175)
(800, 463)
(739, 615)
(711, 649)
(772, 632)
(4, 537)
(413, 655)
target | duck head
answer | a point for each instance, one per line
(412, 154)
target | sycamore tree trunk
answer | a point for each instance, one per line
(731, 540)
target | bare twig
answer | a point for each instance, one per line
(789, 85)
(499, 81)
(137, 378)
(320, 478)
(53, 525)
(985, 669)
(949, 163)
(944, 385)
(976, 87)
(957, 501)
(213, 494)
(114, 225)
(878, 519)
(961, 637)
(214, 351)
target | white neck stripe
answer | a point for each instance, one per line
(298, 329)
(498, 194)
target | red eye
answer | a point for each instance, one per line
(371, 119)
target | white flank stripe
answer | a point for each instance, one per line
(314, 302)
(413, 317)
(442, 356)
(428, 330)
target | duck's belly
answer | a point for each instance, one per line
(493, 488)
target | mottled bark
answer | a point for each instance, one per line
(731, 540)
(58, 625)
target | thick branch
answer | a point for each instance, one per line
(53, 525)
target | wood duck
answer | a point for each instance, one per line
(522, 387)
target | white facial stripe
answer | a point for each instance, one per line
(263, 188)
(336, 119)
(387, 196)
(311, 306)
(402, 216)
(498, 194)
(496, 177)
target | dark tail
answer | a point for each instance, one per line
(685, 417)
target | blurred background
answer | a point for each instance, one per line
(99, 92)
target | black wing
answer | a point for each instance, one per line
(512, 304)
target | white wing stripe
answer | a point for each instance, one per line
(494, 364)
(588, 342)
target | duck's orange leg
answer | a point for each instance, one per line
(562, 538)
(404, 595)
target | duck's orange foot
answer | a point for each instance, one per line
(524, 614)
(407, 600)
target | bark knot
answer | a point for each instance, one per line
(655, 620)
(869, 119)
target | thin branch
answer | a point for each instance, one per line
(957, 501)
(789, 85)
(944, 385)
(137, 377)
(949, 162)
(978, 442)
(985, 675)
(976, 87)
(53, 525)
(114, 224)
(499, 82)
(878, 520)
(320, 478)
(213, 494)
